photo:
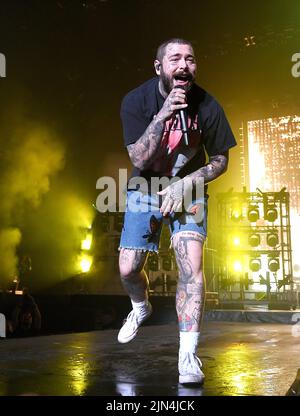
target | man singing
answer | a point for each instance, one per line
(153, 117)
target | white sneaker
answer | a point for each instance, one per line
(132, 323)
(189, 367)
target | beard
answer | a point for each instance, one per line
(167, 82)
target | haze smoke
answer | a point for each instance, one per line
(29, 160)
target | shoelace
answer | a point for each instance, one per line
(131, 318)
(134, 317)
(190, 360)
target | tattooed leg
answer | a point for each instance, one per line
(133, 277)
(190, 295)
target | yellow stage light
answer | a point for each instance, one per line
(255, 264)
(237, 266)
(271, 214)
(274, 265)
(272, 239)
(236, 240)
(254, 240)
(236, 214)
(86, 244)
(253, 213)
(85, 264)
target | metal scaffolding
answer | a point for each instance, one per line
(254, 247)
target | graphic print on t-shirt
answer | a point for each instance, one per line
(173, 153)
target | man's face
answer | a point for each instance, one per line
(178, 67)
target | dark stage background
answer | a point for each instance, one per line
(68, 65)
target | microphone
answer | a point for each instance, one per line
(183, 121)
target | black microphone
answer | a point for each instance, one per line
(183, 121)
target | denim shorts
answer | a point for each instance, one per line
(143, 221)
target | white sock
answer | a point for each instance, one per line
(188, 341)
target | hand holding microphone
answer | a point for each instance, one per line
(176, 102)
(183, 121)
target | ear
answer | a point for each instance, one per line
(157, 66)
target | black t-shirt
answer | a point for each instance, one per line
(212, 133)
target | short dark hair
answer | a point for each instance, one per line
(161, 50)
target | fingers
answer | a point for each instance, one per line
(162, 192)
(177, 207)
(177, 96)
(175, 101)
(167, 206)
(178, 92)
(175, 107)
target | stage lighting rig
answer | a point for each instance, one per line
(255, 264)
(253, 213)
(254, 239)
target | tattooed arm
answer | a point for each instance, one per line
(217, 166)
(144, 151)
(174, 194)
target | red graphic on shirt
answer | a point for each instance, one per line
(172, 142)
(173, 133)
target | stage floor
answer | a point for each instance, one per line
(243, 359)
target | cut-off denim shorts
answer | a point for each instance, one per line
(143, 221)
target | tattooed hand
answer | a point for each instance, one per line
(175, 101)
(175, 193)
(174, 196)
